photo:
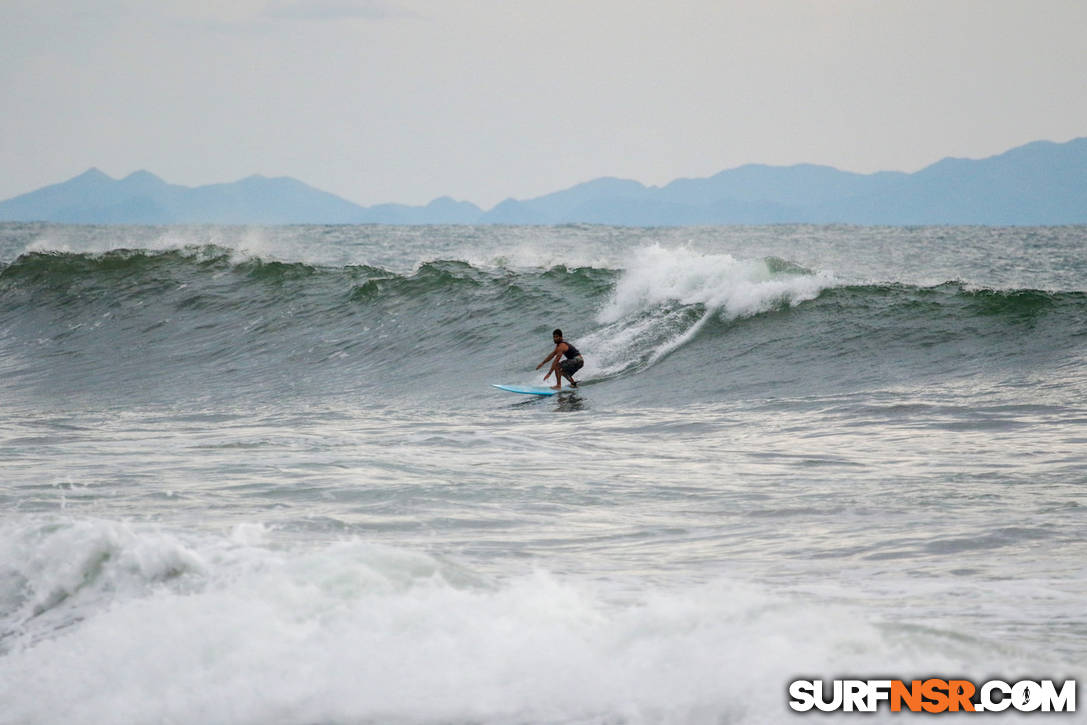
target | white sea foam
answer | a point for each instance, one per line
(657, 275)
(667, 294)
(174, 627)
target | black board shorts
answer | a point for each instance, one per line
(572, 365)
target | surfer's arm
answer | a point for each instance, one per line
(553, 354)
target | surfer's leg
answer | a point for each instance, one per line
(569, 367)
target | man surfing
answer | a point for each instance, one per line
(562, 368)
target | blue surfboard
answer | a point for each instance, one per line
(526, 389)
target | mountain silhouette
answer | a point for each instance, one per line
(1040, 183)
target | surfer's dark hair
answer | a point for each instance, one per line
(557, 332)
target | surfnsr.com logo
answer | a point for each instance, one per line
(933, 695)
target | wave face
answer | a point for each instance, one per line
(207, 321)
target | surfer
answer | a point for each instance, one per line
(562, 368)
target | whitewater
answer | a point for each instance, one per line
(259, 475)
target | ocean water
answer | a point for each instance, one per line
(258, 475)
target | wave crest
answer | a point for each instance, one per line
(666, 295)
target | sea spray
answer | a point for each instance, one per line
(664, 297)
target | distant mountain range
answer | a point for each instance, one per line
(1040, 183)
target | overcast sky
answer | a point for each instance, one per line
(407, 100)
